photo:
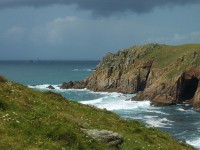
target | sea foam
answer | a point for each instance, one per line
(56, 88)
(161, 123)
(90, 70)
(194, 142)
(116, 101)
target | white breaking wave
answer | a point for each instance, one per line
(112, 94)
(195, 142)
(156, 122)
(167, 121)
(83, 70)
(92, 102)
(180, 109)
(44, 87)
(56, 88)
(156, 111)
(149, 117)
(190, 110)
(110, 101)
(117, 101)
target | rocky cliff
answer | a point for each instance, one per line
(164, 74)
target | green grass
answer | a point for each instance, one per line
(165, 55)
(32, 119)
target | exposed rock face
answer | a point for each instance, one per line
(75, 85)
(50, 87)
(166, 75)
(119, 72)
(109, 137)
(196, 102)
(187, 85)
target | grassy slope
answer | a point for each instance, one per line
(170, 57)
(43, 120)
(166, 54)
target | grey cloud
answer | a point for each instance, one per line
(100, 7)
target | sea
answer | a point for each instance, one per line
(184, 125)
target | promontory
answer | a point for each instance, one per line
(163, 74)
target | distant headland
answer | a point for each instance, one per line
(163, 74)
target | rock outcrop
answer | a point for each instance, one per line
(51, 87)
(109, 137)
(165, 75)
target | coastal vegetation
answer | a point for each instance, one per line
(31, 119)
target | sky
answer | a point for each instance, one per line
(88, 29)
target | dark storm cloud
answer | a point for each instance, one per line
(100, 7)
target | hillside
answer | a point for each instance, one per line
(164, 74)
(32, 119)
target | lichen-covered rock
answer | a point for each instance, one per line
(109, 137)
(163, 74)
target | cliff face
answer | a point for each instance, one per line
(164, 74)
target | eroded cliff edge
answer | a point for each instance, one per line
(164, 74)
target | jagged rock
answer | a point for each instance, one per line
(109, 137)
(74, 85)
(196, 101)
(50, 87)
(67, 85)
(162, 100)
(163, 74)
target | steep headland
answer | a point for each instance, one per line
(163, 74)
(32, 119)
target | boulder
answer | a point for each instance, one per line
(109, 137)
(51, 87)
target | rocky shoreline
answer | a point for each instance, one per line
(165, 75)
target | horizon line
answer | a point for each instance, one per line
(38, 60)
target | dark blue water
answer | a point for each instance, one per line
(182, 124)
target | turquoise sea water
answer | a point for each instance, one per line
(46, 72)
(182, 124)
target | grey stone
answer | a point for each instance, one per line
(109, 137)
